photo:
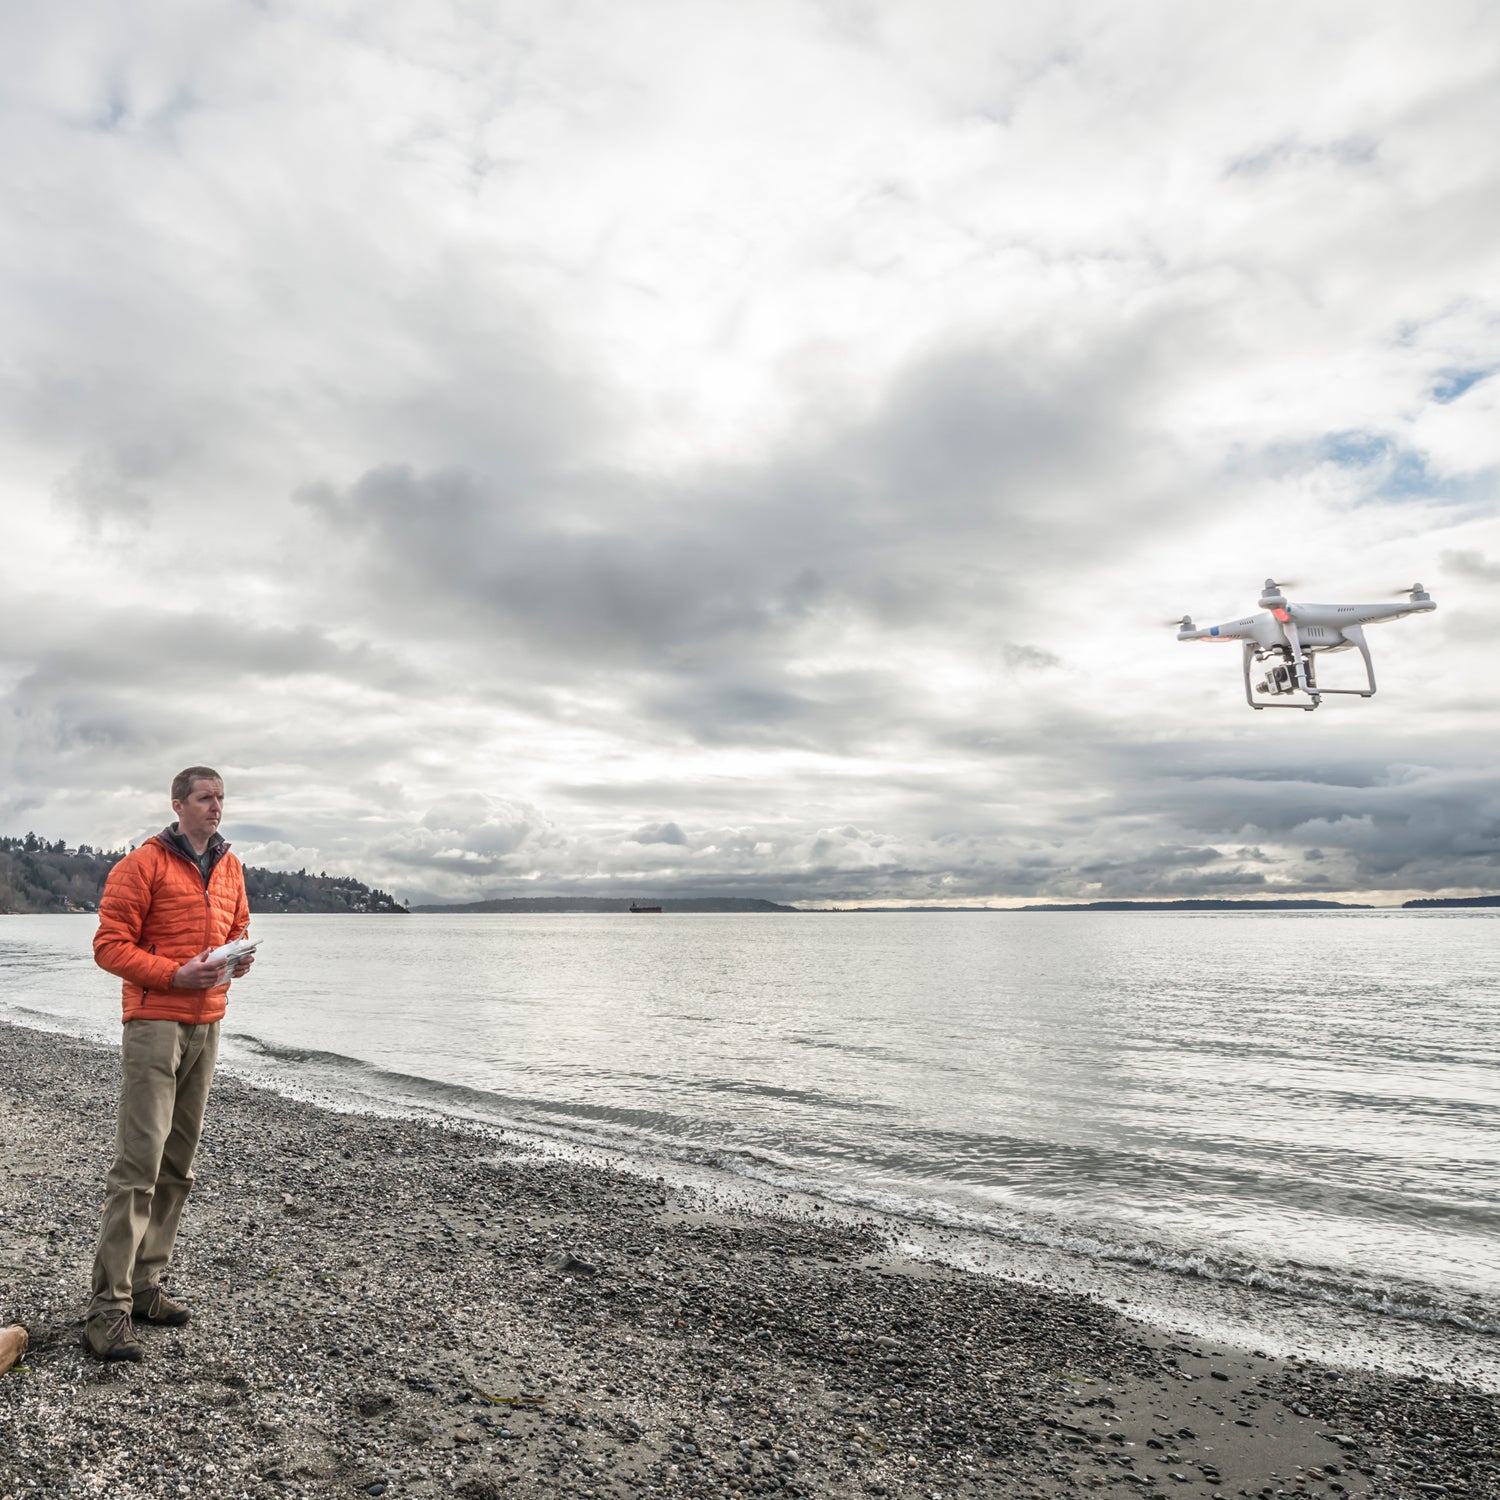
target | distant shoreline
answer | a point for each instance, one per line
(605, 906)
(1183, 905)
(686, 906)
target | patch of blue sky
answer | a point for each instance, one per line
(1357, 450)
(1394, 473)
(1451, 384)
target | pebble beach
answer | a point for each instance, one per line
(414, 1307)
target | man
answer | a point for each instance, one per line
(164, 907)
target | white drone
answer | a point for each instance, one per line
(1289, 635)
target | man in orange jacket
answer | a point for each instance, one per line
(164, 908)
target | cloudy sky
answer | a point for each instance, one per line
(727, 447)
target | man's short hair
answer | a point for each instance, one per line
(182, 782)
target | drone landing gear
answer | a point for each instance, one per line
(1355, 636)
(1294, 672)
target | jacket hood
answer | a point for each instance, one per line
(178, 843)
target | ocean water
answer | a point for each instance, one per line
(1277, 1127)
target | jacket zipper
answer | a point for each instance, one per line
(208, 934)
(208, 917)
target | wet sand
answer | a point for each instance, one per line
(394, 1307)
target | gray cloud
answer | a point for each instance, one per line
(111, 488)
(1441, 832)
(1297, 155)
(660, 833)
(136, 649)
(520, 468)
(703, 598)
(1470, 563)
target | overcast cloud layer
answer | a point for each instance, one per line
(735, 448)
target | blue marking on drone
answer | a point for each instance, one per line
(1213, 630)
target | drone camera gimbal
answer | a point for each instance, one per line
(1291, 673)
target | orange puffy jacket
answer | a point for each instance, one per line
(155, 914)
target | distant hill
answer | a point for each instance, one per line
(37, 876)
(531, 905)
(1191, 905)
(1209, 905)
(1453, 901)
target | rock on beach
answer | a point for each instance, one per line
(411, 1308)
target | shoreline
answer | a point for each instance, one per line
(1193, 1295)
(375, 1313)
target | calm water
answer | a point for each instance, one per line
(1298, 1108)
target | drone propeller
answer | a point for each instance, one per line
(1281, 585)
(1185, 623)
(1410, 591)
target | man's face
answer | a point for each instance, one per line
(199, 812)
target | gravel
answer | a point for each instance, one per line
(411, 1308)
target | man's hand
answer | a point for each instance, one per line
(197, 975)
(243, 966)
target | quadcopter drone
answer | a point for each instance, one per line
(1286, 637)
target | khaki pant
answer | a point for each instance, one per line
(166, 1070)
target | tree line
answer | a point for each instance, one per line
(44, 877)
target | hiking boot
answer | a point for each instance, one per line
(154, 1306)
(109, 1335)
(13, 1343)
